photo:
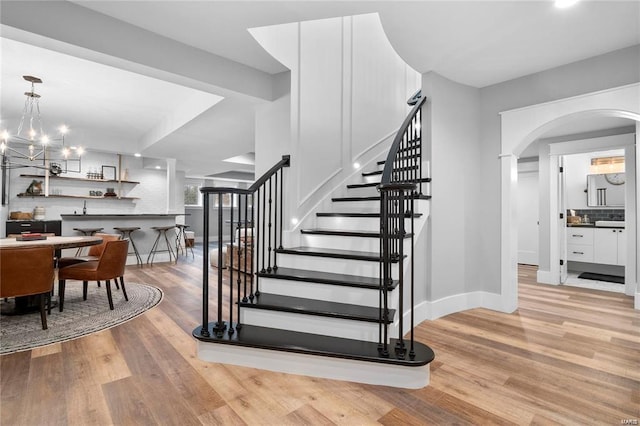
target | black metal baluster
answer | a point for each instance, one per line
(239, 279)
(220, 324)
(269, 229)
(384, 351)
(247, 224)
(419, 118)
(412, 352)
(255, 253)
(264, 196)
(275, 224)
(400, 349)
(205, 268)
(281, 208)
(230, 251)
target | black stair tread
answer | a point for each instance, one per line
(314, 344)
(300, 305)
(373, 198)
(333, 253)
(293, 274)
(374, 184)
(397, 169)
(357, 214)
(343, 233)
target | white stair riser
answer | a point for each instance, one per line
(336, 327)
(317, 366)
(353, 223)
(369, 206)
(327, 264)
(371, 179)
(328, 292)
(346, 243)
(349, 223)
(362, 192)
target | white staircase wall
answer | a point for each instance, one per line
(346, 99)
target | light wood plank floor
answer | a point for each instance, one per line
(567, 356)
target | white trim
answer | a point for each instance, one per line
(432, 310)
(373, 373)
(580, 146)
(571, 98)
(546, 277)
(317, 188)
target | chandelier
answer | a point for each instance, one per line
(31, 143)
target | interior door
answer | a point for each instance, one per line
(528, 217)
(562, 217)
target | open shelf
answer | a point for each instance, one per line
(80, 179)
(91, 197)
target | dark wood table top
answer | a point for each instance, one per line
(56, 242)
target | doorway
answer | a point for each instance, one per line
(520, 128)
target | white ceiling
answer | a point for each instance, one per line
(478, 43)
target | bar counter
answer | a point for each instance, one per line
(143, 238)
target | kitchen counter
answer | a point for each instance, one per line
(141, 215)
(592, 225)
(143, 238)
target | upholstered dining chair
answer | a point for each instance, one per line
(27, 271)
(93, 254)
(109, 267)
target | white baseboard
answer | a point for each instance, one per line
(636, 302)
(432, 310)
(373, 373)
(545, 277)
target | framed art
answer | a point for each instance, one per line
(109, 173)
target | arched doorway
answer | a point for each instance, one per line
(520, 128)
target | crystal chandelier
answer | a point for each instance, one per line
(33, 135)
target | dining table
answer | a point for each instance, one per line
(57, 242)
(27, 304)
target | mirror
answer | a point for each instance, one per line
(605, 190)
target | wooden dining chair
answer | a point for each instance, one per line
(27, 271)
(109, 267)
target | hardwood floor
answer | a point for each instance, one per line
(567, 356)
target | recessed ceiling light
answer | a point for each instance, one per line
(563, 4)
(158, 167)
(137, 154)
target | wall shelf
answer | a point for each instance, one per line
(79, 179)
(86, 197)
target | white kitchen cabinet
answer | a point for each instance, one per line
(622, 247)
(609, 246)
(580, 244)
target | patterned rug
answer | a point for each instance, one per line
(79, 318)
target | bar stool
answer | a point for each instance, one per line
(126, 233)
(87, 232)
(181, 240)
(162, 232)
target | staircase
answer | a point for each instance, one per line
(322, 309)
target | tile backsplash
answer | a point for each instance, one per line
(600, 214)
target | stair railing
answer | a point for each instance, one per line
(254, 233)
(401, 184)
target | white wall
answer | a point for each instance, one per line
(348, 93)
(576, 168)
(151, 191)
(606, 71)
(453, 153)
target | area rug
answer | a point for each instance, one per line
(602, 277)
(79, 318)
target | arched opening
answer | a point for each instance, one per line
(522, 127)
